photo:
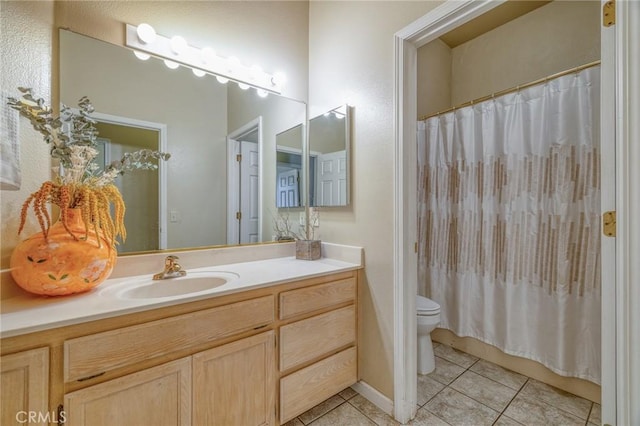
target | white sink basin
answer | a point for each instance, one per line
(193, 283)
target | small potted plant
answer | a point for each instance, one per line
(307, 246)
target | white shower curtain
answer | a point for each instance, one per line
(509, 219)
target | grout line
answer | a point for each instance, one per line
(509, 403)
(553, 405)
(436, 416)
(364, 414)
(319, 417)
(589, 414)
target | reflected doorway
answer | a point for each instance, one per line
(142, 190)
(244, 194)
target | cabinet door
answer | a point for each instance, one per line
(24, 379)
(157, 396)
(234, 384)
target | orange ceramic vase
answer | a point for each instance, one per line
(61, 265)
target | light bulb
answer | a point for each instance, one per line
(171, 65)
(278, 79)
(208, 55)
(256, 71)
(222, 80)
(262, 93)
(198, 73)
(141, 55)
(146, 33)
(178, 44)
(243, 86)
(233, 64)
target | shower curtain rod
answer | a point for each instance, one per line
(513, 89)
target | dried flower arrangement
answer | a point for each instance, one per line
(283, 226)
(78, 182)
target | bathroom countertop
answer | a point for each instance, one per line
(25, 313)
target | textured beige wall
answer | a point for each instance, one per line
(25, 60)
(351, 61)
(553, 38)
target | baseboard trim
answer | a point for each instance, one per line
(374, 396)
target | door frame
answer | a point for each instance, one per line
(161, 128)
(233, 171)
(621, 373)
(623, 318)
(435, 23)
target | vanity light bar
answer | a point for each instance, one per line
(181, 52)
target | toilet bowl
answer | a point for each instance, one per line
(428, 318)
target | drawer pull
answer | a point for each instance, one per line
(84, 379)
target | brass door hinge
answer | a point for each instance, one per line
(609, 13)
(609, 224)
(238, 157)
(238, 215)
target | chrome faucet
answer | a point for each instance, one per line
(172, 269)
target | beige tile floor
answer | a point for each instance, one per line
(464, 390)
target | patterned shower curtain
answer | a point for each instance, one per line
(509, 219)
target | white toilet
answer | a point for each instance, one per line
(428, 319)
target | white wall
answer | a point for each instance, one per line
(351, 61)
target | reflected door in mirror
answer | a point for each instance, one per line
(329, 142)
(331, 179)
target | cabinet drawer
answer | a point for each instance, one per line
(101, 352)
(309, 299)
(313, 337)
(308, 387)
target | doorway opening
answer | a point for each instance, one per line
(435, 24)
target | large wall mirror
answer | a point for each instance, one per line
(329, 159)
(202, 196)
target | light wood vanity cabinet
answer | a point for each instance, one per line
(318, 356)
(260, 357)
(24, 378)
